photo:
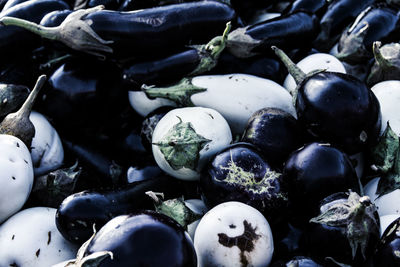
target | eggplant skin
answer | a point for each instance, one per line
(144, 239)
(151, 31)
(387, 252)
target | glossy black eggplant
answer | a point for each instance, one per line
(84, 101)
(78, 212)
(246, 9)
(240, 173)
(284, 31)
(55, 18)
(194, 61)
(313, 172)
(275, 133)
(378, 22)
(143, 239)
(145, 33)
(339, 14)
(317, 7)
(12, 97)
(346, 230)
(387, 253)
(108, 4)
(15, 41)
(129, 5)
(261, 66)
(336, 108)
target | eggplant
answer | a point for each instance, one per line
(78, 212)
(11, 3)
(55, 18)
(275, 133)
(339, 14)
(261, 66)
(240, 173)
(386, 65)
(284, 31)
(194, 61)
(16, 41)
(335, 107)
(313, 172)
(144, 238)
(137, 34)
(312, 6)
(387, 251)
(378, 22)
(345, 230)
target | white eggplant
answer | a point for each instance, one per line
(46, 150)
(386, 204)
(144, 105)
(16, 175)
(186, 138)
(235, 96)
(318, 61)
(233, 234)
(388, 94)
(30, 239)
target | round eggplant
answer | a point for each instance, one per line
(275, 133)
(313, 172)
(345, 231)
(143, 239)
(240, 173)
(335, 107)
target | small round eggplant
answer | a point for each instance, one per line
(233, 234)
(143, 239)
(314, 172)
(335, 107)
(387, 253)
(378, 22)
(240, 173)
(275, 133)
(186, 138)
(346, 230)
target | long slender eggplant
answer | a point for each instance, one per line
(378, 22)
(340, 13)
(129, 5)
(194, 61)
(134, 34)
(16, 41)
(78, 212)
(312, 6)
(284, 31)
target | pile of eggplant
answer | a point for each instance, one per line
(199, 133)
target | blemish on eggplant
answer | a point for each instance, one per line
(26, 161)
(245, 241)
(13, 177)
(17, 144)
(11, 159)
(232, 226)
(49, 237)
(13, 236)
(13, 264)
(209, 114)
(37, 253)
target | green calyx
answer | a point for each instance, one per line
(179, 93)
(175, 209)
(237, 176)
(387, 63)
(209, 53)
(357, 217)
(386, 160)
(181, 146)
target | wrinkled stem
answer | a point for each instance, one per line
(295, 71)
(51, 33)
(379, 58)
(26, 108)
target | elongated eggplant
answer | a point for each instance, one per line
(335, 107)
(285, 31)
(15, 41)
(77, 213)
(312, 6)
(340, 13)
(194, 61)
(134, 34)
(378, 22)
(261, 66)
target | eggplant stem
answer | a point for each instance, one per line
(293, 69)
(26, 108)
(155, 196)
(379, 58)
(51, 33)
